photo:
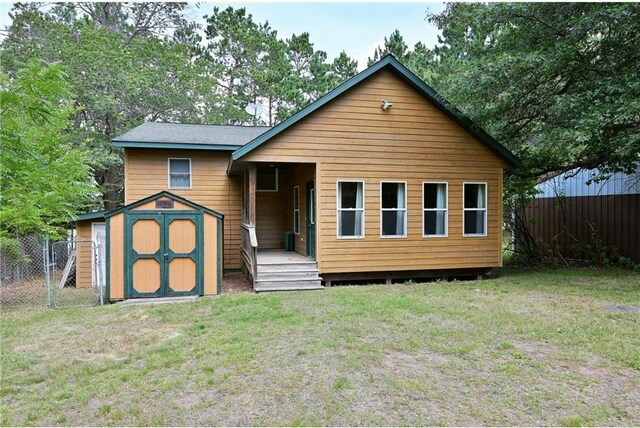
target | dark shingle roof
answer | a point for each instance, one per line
(177, 135)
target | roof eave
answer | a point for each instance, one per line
(182, 146)
(91, 216)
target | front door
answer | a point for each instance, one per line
(163, 254)
(311, 219)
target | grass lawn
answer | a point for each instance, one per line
(527, 348)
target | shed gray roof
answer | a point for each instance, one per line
(188, 136)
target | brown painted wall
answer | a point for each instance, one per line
(565, 223)
(353, 138)
(146, 174)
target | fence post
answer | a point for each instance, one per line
(45, 259)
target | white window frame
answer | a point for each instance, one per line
(338, 209)
(446, 210)
(277, 189)
(485, 209)
(406, 215)
(169, 186)
(296, 211)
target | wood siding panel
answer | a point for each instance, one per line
(271, 213)
(116, 257)
(84, 271)
(353, 138)
(146, 174)
(210, 254)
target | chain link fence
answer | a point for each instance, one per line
(36, 274)
(75, 274)
(22, 274)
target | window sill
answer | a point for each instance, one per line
(435, 236)
(474, 235)
(350, 237)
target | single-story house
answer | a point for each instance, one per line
(380, 178)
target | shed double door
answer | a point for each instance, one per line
(163, 254)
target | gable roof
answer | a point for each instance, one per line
(414, 81)
(158, 135)
(163, 194)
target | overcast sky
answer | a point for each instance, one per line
(356, 28)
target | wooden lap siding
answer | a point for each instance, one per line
(146, 174)
(84, 272)
(353, 138)
(274, 210)
(271, 214)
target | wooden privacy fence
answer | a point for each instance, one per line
(567, 224)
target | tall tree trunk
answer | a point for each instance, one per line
(112, 193)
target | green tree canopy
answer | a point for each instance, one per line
(45, 178)
(557, 83)
(123, 67)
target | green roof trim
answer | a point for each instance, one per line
(418, 84)
(91, 216)
(159, 145)
(164, 194)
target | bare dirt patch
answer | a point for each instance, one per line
(236, 282)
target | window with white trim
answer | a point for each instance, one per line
(350, 204)
(266, 178)
(435, 211)
(296, 210)
(393, 209)
(179, 173)
(475, 209)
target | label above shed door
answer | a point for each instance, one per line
(164, 203)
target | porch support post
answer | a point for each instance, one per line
(252, 194)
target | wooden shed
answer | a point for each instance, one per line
(162, 246)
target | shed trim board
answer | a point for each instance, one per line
(405, 74)
(108, 257)
(165, 254)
